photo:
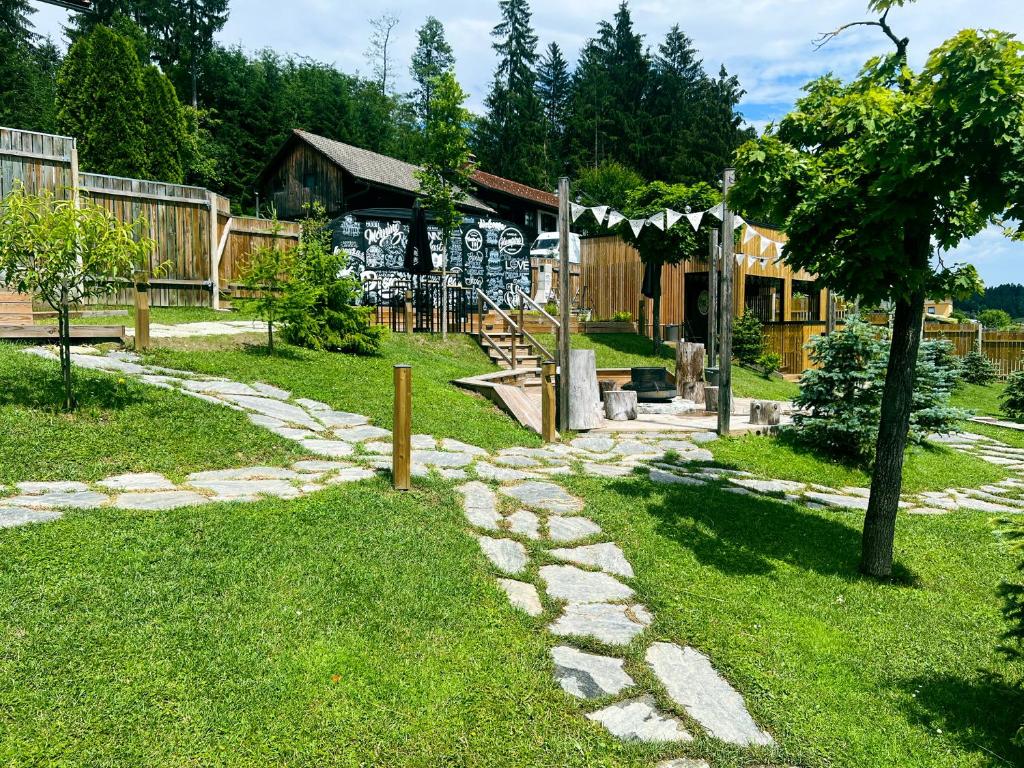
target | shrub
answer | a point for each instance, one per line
(1012, 398)
(995, 318)
(840, 400)
(769, 363)
(747, 339)
(975, 368)
(268, 274)
(622, 317)
(319, 309)
(551, 308)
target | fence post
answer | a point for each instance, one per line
(409, 319)
(641, 317)
(548, 401)
(401, 455)
(141, 310)
(981, 337)
(211, 200)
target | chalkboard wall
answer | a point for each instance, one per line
(489, 254)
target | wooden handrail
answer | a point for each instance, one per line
(524, 295)
(486, 337)
(483, 297)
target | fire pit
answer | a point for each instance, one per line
(651, 385)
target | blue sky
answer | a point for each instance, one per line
(767, 43)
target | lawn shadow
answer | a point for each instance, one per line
(633, 344)
(745, 535)
(983, 713)
(37, 384)
(281, 351)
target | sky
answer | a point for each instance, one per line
(768, 44)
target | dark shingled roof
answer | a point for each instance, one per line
(515, 189)
(374, 167)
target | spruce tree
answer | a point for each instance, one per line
(553, 84)
(100, 103)
(166, 130)
(511, 137)
(677, 91)
(432, 58)
(27, 71)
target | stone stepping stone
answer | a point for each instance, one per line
(488, 471)
(58, 486)
(662, 477)
(522, 596)
(312, 405)
(692, 683)
(423, 442)
(555, 452)
(107, 364)
(611, 624)
(999, 460)
(350, 475)
(318, 465)
(140, 481)
(245, 473)
(608, 557)
(545, 496)
(837, 500)
(452, 474)
(607, 470)
(683, 762)
(456, 446)
(593, 444)
(361, 434)
(442, 459)
(276, 409)
(268, 390)
(525, 523)
(769, 486)
(221, 388)
(515, 460)
(564, 469)
(978, 505)
(291, 433)
(587, 675)
(636, 448)
(570, 529)
(266, 421)
(333, 448)
(335, 419)
(703, 437)
(480, 505)
(995, 498)
(574, 585)
(247, 490)
(640, 720)
(12, 517)
(379, 448)
(155, 501)
(74, 499)
(506, 555)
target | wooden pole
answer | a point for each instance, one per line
(725, 343)
(548, 401)
(401, 432)
(564, 314)
(410, 320)
(211, 199)
(142, 311)
(830, 313)
(641, 317)
(712, 298)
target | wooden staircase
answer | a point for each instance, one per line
(508, 347)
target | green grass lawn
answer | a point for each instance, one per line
(355, 627)
(845, 672)
(364, 384)
(121, 425)
(161, 315)
(983, 399)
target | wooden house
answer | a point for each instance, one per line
(533, 209)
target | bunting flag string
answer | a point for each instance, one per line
(576, 211)
(637, 225)
(614, 218)
(599, 212)
(695, 219)
(658, 220)
(671, 217)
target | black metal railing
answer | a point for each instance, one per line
(428, 299)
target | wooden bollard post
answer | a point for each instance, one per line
(410, 319)
(548, 402)
(401, 431)
(141, 311)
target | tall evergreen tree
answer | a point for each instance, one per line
(99, 94)
(511, 141)
(432, 58)
(553, 84)
(166, 129)
(677, 90)
(15, 20)
(185, 30)
(27, 70)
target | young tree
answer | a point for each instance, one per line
(606, 184)
(378, 53)
(432, 58)
(997, 319)
(167, 140)
(865, 176)
(100, 98)
(64, 253)
(268, 275)
(553, 83)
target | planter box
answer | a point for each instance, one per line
(608, 326)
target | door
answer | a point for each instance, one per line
(695, 308)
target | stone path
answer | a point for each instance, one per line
(552, 561)
(211, 328)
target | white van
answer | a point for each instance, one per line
(546, 247)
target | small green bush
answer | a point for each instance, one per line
(975, 368)
(551, 308)
(748, 340)
(769, 363)
(997, 319)
(1012, 398)
(622, 317)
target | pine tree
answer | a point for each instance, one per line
(15, 21)
(166, 130)
(27, 70)
(188, 28)
(432, 58)
(511, 141)
(100, 103)
(553, 84)
(589, 108)
(677, 92)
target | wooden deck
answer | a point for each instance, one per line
(80, 334)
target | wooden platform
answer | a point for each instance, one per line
(508, 390)
(80, 334)
(15, 308)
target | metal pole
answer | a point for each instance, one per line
(725, 343)
(401, 434)
(564, 314)
(712, 298)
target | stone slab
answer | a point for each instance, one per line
(244, 473)
(319, 465)
(247, 490)
(692, 683)
(515, 460)
(442, 459)
(350, 475)
(488, 471)
(569, 529)
(361, 434)
(525, 523)
(608, 557)
(480, 505)
(335, 419)
(12, 517)
(522, 596)
(640, 720)
(269, 390)
(587, 675)
(154, 501)
(333, 448)
(74, 499)
(574, 585)
(670, 478)
(545, 496)
(607, 470)
(837, 500)
(457, 446)
(58, 486)
(277, 410)
(768, 486)
(506, 555)
(611, 624)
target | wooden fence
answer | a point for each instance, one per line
(1004, 348)
(199, 247)
(790, 340)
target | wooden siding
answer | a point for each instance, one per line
(790, 340)
(302, 176)
(15, 308)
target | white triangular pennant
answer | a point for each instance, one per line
(614, 218)
(751, 261)
(695, 219)
(658, 220)
(717, 211)
(599, 212)
(766, 245)
(576, 210)
(671, 217)
(737, 221)
(637, 225)
(749, 234)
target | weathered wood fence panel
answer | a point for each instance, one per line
(38, 160)
(790, 340)
(1004, 348)
(246, 235)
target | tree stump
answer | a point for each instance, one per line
(606, 385)
(585, 410)
(711, 399)
(690, 371)
(620, 405)
(765, 412)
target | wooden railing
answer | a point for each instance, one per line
(524, 296)
(517, 330)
